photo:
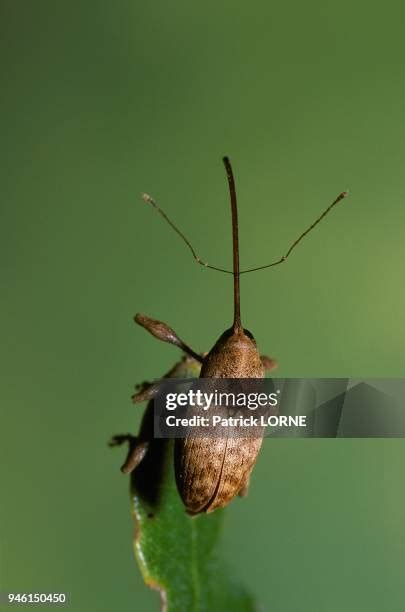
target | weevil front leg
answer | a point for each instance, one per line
(163, 332)
(136, 451)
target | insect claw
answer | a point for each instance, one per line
(120, 439)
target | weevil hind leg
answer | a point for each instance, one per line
(136, 452)
(268, 363)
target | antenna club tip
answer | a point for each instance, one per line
(147, 198)
(344, 194)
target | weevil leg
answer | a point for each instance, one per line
(186, 367)
(145, 392)
(163, 332)
(136, 452)
(243, 491)
(120, 439)
(269, 363)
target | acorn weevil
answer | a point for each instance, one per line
(211, 471)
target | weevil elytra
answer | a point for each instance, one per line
(211, 471)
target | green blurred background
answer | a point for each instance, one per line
(103, 100)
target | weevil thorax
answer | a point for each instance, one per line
(234, 355)
(211, 471)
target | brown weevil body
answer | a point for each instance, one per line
(211, 471)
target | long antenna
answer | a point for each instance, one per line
(235, 246)
(282, 259)
(147, 198)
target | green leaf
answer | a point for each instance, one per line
(177, 554)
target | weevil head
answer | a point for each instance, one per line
(234, 355)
